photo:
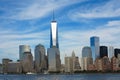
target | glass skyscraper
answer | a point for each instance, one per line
(86, 58)
(110, 52)
(22, 49)
(53, 52)
(40, 59)
(103, 51)
(94, 43)
(54, 35)
(86, 52)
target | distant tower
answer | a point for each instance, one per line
(94, 43)
(86, 52)
(27, 62)
(110, 52)
(116, 52)
(103, 51)
(54, 62)
(54, 34)
(22, 50)
(86, 59)
(40, 59)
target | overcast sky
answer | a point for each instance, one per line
(28, 22)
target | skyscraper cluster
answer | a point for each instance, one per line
(94, 58)
(42, 63)
(99, 58)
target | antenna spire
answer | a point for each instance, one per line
(53, 16)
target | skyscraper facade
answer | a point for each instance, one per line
(54, 35)
(110, 52)
(86, 58)
(54, 62)
(103, 51)
(116, 52)
(27, 62)
(40, 60)
(22, 49)
(94, 43)
(86, 52)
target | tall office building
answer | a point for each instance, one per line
(86, 59)
(116, 52)
(94, 43)
(54, 63)
(103, 51)
(22, 49)
(27, 62)
(54, 34)
(110, 52)
(86, 52)
(40, 58)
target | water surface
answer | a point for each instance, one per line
(92, 76)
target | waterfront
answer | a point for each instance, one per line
(92, 76)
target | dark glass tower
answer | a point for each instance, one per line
(103, 51)
(116, 52)
(54, 34)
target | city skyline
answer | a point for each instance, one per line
(28, 22)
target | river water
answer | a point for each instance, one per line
(92, 76)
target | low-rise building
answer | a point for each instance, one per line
(14, 67)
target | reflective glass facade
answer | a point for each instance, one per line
(53, 59)
(86, 52)
(22, 49)
(54, 35)
(94, 43)
(103, 51)
(40, 61)
(110, 52)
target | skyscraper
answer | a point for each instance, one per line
(116, 52)
(27, 62)
(40, 60)
(103, 51)
(22, 49)
(54, 62)
(54, 34)
(86, 59)
(86, 52)
(94, 43)
(110, 52)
